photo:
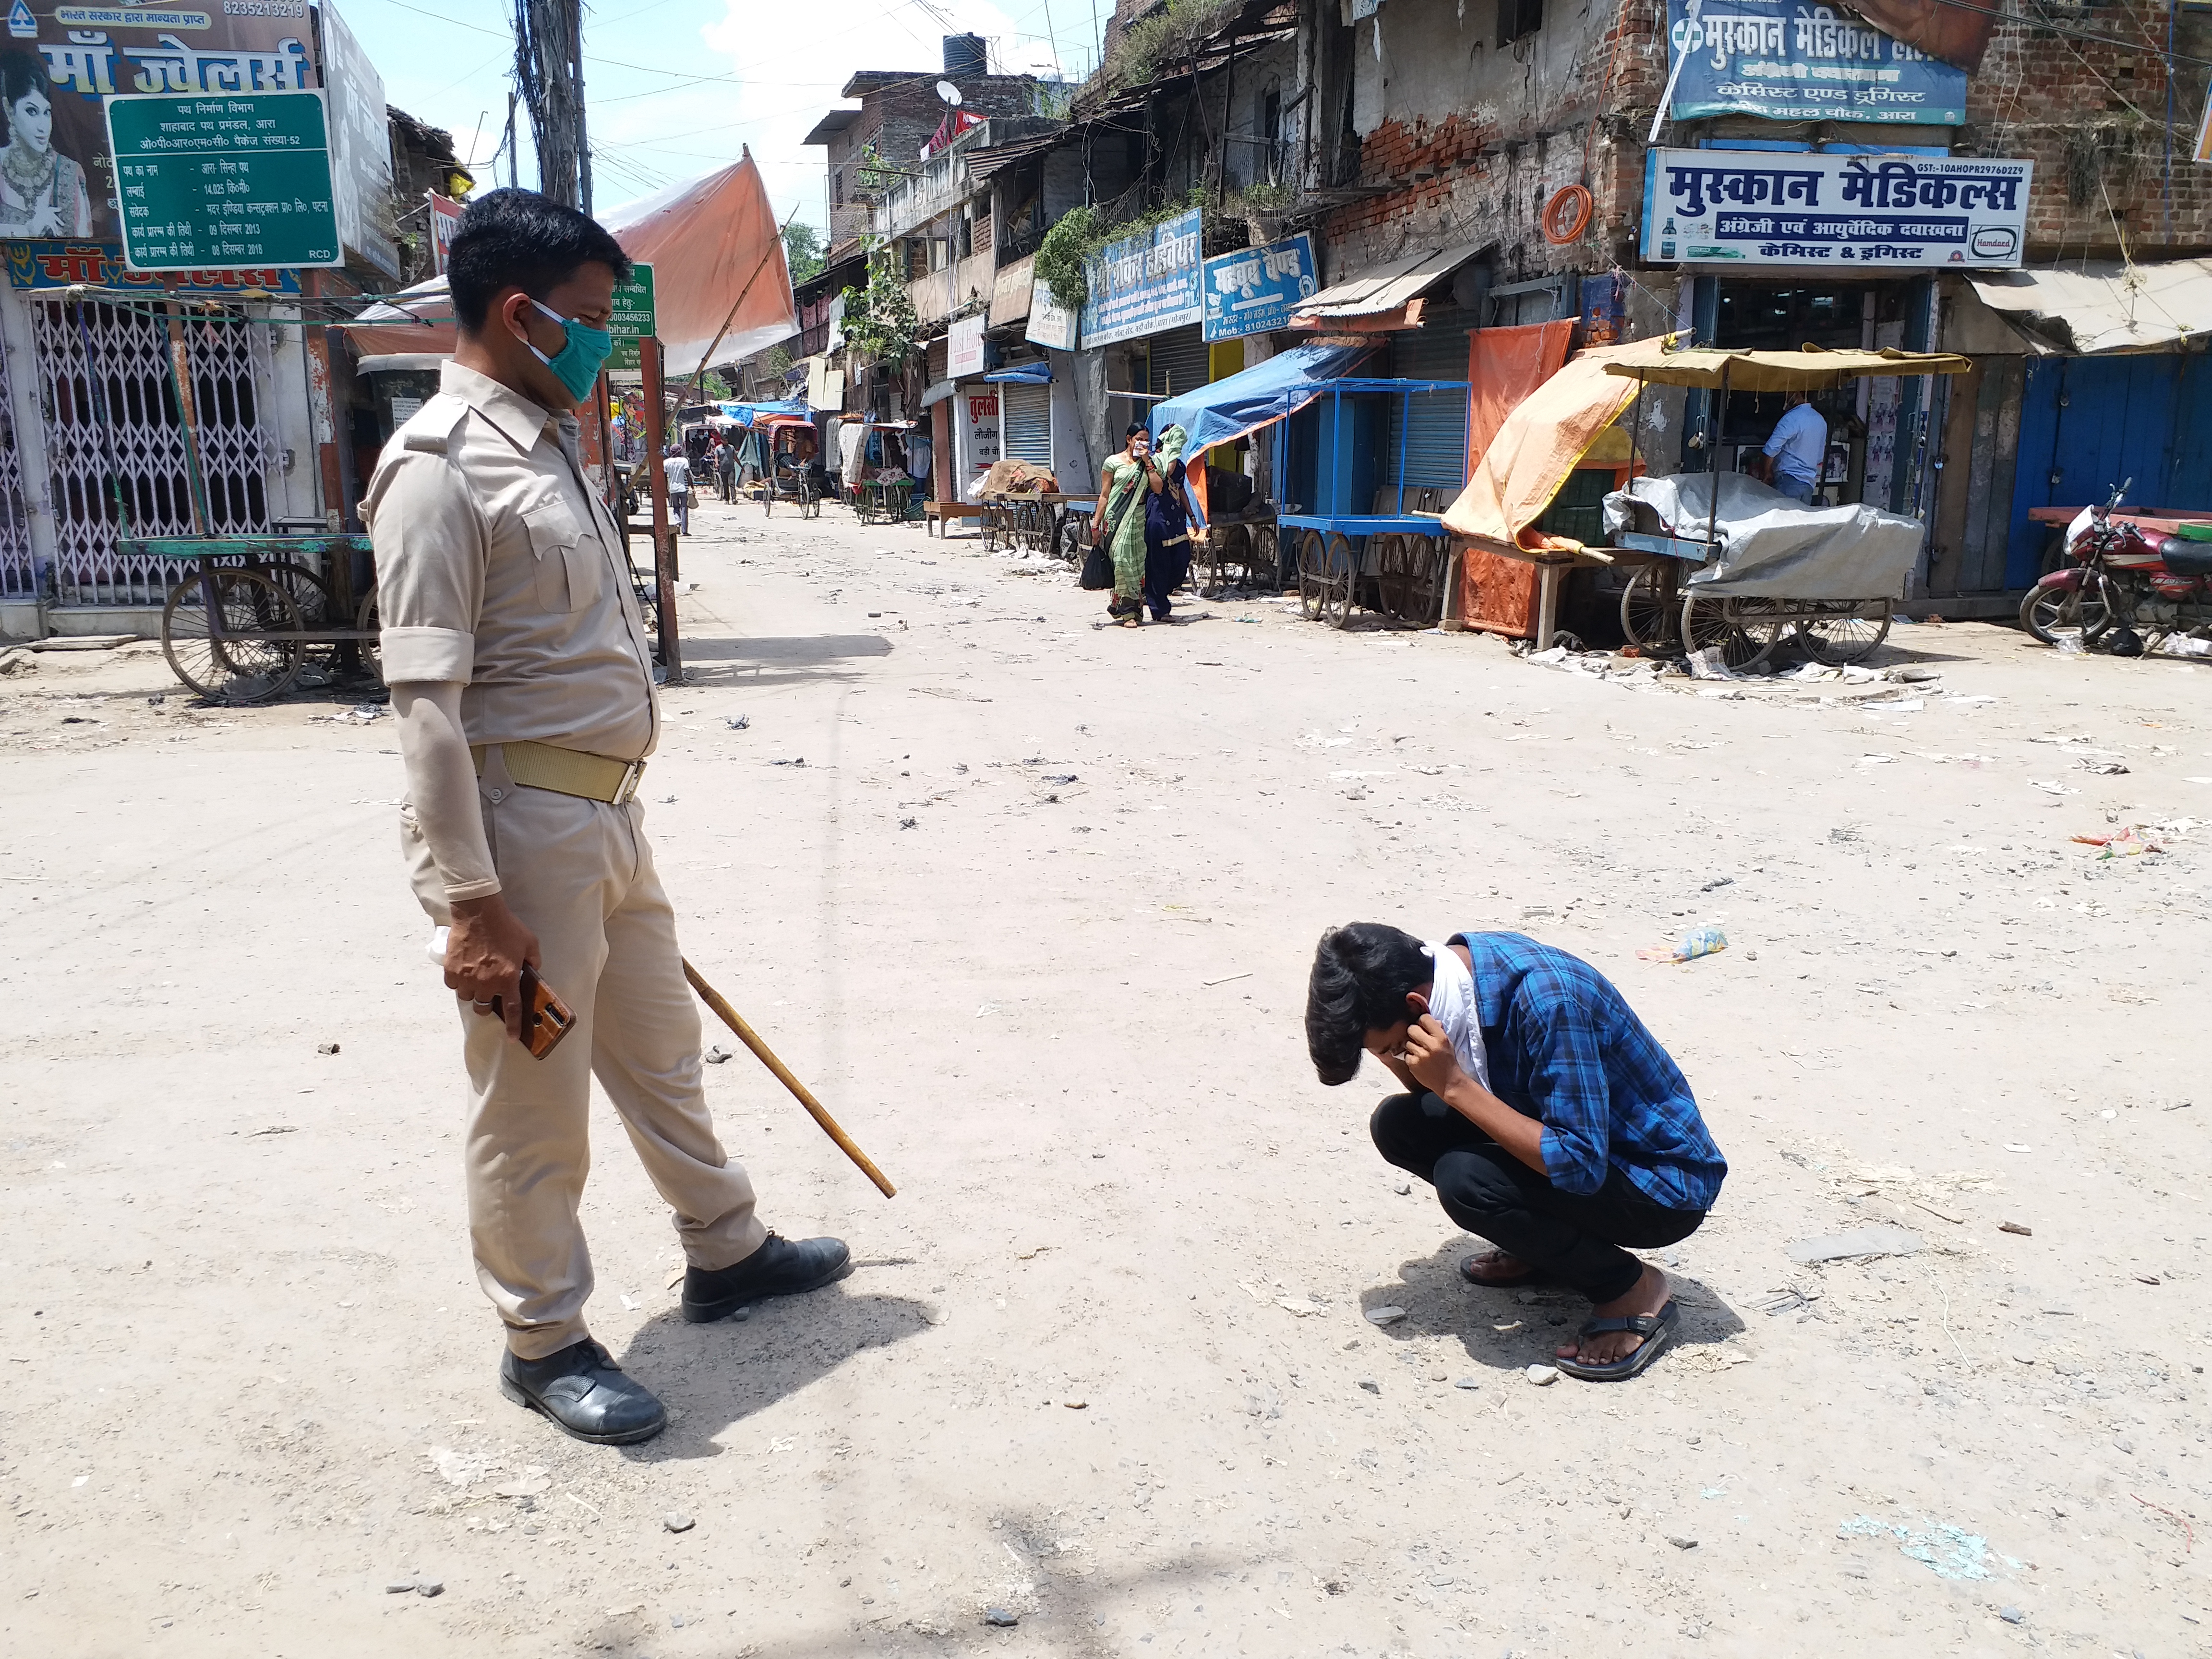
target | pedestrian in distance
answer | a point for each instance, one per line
(1167, 528)
(726, 469)
(1548, 1120)
(676, 470)
(522, 677)
(1127, 479)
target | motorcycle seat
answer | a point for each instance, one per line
(2186, 558)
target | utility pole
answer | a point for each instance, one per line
(549, 73)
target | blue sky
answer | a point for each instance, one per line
(677, 88)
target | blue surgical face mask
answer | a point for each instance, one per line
(578, 363)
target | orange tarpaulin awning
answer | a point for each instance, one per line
(721, 289)
(1540, 444)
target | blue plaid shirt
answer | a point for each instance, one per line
(1566, 1049)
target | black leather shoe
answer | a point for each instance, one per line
(779, 1268)
(585, 1394)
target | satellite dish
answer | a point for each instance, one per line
(948, 92)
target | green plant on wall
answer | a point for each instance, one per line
(1076, 238)
(880, 322)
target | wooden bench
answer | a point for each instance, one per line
(937, 512)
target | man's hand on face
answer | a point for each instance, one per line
(1429, 1055)
(485, 954)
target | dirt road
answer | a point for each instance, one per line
(1031, 905)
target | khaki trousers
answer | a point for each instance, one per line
(579, 875)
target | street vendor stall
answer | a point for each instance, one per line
(1665, 527)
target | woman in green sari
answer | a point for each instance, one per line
(1127, 479)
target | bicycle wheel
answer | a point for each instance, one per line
(1646, 619)
(1344, 579)
(1842, 633)
(231, 670)
(1744, 637)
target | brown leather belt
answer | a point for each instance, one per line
(566, 771)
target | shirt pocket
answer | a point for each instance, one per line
(568, 557)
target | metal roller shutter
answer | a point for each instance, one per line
(1025, 423)
(1436, 422)
(1179, 361)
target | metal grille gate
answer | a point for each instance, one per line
(113, 429)
(18, 580)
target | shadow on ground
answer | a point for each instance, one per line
(799, 660)
(713, 1375)
(1439, 1302)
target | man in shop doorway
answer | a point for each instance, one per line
(1548, 1119)
(1796, 450)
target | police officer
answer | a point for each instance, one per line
(521, 675)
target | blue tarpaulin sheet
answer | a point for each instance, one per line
(746, 414)
(1222, 411)
(1027, 374)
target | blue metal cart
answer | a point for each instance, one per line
(1349, 552)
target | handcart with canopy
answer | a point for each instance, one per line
(1773, 570)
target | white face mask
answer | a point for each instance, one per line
(1451, 1004)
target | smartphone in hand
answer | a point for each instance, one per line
(546, 1018)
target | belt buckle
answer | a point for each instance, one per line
(626, 792)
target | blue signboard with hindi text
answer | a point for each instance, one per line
(1783, 207)
(1145, 283)
(1252, 291)
(1785, 61)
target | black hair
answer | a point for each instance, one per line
(1361, 973)
(21, 73)
(1135, 427)
(519, 239)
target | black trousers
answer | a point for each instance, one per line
(1573, 1238)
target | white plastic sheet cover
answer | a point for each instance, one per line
(1772, 546)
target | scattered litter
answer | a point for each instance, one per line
(2052, 789)
(1298, 1304)
(1076, 1405)
(1698, 942)
(1790, 1298)
(2017, 1146)
(1877, 760)
(1709, 664)
(2012, 1615)
(274, 1130)
(1227, 979)
(743, 722)
(1385, 1315)
(1371, 1385)
(1542, 1376)
(909, 823)
(1948, 1551)
(676, 1521)
(326, 1047)
(716, 1055)
(1003, 1617)
(2132, 842)
(2014, 1227)
(800, 760)
(464, 1468)
(2147, 1279)
(1857, 1244)
(2104, 769)
(1681, 1542)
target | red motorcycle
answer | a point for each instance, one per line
(2123, 580)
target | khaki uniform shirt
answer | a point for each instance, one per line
(498, 566)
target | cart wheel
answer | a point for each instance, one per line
(1395, 580)
(1266, 556)
(1344, 582)
(1743, 637)
(1844, 632)
(1312, 576)
(233, 670)
(366, 623)
(1646, 619)
(310, 594)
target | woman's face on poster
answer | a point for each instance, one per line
(31, 122)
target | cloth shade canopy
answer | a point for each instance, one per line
(746, 414)
(2103, 306)
(1539, 443)
(1811, 369)
(721, 289)
(1037, 373)
(1222, 412)
(1387, 288)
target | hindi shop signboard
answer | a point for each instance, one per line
(634, 319)
(1143, 284)
(963, 349)
(211, 180)
(1776, 208)
(1784, 61)
(1051, 324)
(1252, 292)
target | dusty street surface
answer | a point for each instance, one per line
(1034, 917)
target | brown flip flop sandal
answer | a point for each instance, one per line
(1466, 1272)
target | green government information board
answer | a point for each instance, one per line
(633, 319)
(217, 179)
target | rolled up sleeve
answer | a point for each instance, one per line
(428, 535)
(1568, 1083)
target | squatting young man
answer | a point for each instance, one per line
(1549, 1120)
